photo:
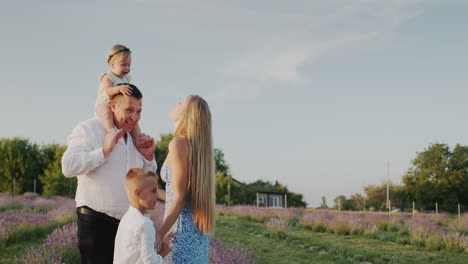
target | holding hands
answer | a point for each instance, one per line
(162, 246)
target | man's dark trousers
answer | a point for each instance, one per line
(96, 236)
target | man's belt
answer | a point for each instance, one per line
(85, 210)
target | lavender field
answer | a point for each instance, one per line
(433, 231)
(27, 217)
(38, 230)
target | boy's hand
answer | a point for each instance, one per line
(160, 242)
(165, 249)
(164, 245)
(125, 89)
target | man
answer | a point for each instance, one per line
(101, 161)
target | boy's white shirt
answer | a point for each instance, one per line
(135, 239)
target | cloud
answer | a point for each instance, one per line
(282, 40)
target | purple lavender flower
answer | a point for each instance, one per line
(222, 255)
(61, 246)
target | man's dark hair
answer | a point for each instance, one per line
(135, 91)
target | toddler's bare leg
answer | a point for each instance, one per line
(136, 132)
(105, 114)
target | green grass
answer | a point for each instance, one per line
(305, 246)
(8, 253)
(299, 246)
(27, 233)
(22, 239)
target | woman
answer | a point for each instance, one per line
(190, 191)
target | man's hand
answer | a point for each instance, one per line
(111, 139)
(145, 145)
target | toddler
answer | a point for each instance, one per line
(113, 82)
(134, 242)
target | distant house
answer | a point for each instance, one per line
(271, 199)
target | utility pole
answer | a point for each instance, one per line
(388, 185)
(229, 190)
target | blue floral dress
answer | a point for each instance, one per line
(189, 244)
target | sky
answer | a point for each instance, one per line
(318, 95)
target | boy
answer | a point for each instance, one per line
(134, 242)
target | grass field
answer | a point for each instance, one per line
(305, 246)
(29, 222)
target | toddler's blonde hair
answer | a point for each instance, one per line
(118, 52)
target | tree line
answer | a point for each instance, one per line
(24, 164)
(438, 174)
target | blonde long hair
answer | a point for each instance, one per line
(194, 124)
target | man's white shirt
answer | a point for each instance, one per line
(101, 181)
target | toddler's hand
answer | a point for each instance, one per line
(143, 141)
(125, 89)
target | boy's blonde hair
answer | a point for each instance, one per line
(137, 178)
(118, 52)
(194, 124)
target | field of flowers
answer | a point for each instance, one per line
(28, 216)
(247, 229)
(432, 231)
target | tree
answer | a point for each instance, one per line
(439, 175)
(340, 202)
(458, 181)
(358, 201)
(53, 180)
(294, 199)
(20, 161)
(161, 149)
(220, 162)
(324, 203)
(376, 196)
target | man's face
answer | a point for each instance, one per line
(127, 111)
